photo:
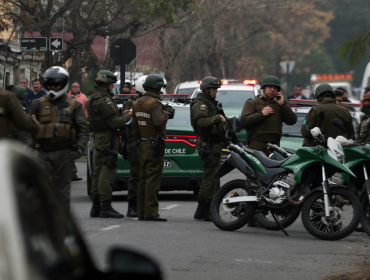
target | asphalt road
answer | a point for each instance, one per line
(190, 249)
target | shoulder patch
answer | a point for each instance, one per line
(107, 100)
(304, 122)
(203, 107)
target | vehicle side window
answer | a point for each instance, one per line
(53, 245)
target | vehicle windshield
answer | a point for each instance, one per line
(233, 98)
(185, 90)
(181, 118)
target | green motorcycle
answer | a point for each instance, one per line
(329, 211)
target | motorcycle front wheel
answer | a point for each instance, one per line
(365, 214)
(232, 216)
(285, 217)
(345, 210)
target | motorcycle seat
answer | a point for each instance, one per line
(269, 163)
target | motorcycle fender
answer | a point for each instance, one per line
(225, 168)
(319, 189)
(244, 167)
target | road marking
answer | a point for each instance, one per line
(170, 207)
(253, 261)
(110, 227)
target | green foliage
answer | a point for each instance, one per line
(163, 9)
(355, 46)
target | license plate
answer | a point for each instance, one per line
(167, 163)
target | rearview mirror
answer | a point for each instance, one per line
(337, 123)
(127, 264)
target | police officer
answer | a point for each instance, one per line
(149, 124)
(363, 129)
(211, 127)
(12, 113)
(63, 129)
(132, 153)
(326, 98)
(263, 116)
(21, 93)
(103, 116)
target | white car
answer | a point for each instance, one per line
(39, 239)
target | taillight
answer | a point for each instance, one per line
(225, 82)
(191, 140)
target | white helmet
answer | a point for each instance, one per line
(55, 76)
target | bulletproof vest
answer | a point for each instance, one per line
(144, 118)
(207, 132)
(272, 123)
(4, 119)
(56, 124)
(96, 120)
(363, 130)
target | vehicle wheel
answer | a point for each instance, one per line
(285, 217)
(232, 216)
(89, 179)
(365, 214)
(345, 211)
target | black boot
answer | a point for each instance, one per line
(95, 209)
(107, 211)
(132, 209)
(199, 213)
(207, 214)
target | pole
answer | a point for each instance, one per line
(287, 79)
(47, 53)
(122, 69)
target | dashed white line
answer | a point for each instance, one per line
(170, 207)
(110, 227)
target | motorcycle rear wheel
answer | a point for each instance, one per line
(345, 211)
(232, 216)
(285, 217)
(365, 214)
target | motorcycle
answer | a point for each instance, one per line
(295, 184)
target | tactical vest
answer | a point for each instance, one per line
(363, 131)
(206, 132)
(95, 120)
(272, 123)
(144, 119)
(56, 124)
(4, 119)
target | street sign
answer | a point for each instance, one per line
(123, 50)
(55, 43)
(287, 66)
(34, 44)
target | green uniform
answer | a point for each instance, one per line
(207, 122)
(149, 121)
(12, 114)
(265, 129)
(332, 111)
(103, 116)
(63, 125)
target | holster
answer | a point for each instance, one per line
(209, 156)
(157, 143)
(110, 158)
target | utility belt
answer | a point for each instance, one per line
(157, 143)
(210, 156)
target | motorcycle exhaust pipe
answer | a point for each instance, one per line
(291, 201)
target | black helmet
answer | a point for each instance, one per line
(105, 76)
(271, 81)
(154, 81)
(20, 91)
(210, 82)
(55, 76)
